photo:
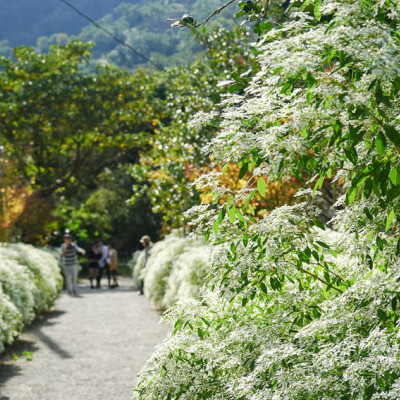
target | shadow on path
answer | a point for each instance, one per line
(24, 348)
(51, 344)
(8, 365)
(105, 289)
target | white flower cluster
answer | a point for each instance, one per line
(294, 310)
(175, 270)
(30, 280)
(328, 351)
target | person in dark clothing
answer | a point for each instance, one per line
(93, 256)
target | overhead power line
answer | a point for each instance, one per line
(116, 38)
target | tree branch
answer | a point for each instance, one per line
(216, 12)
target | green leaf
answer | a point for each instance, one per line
(351, 154)
(324, 245)
(235, 88)
(263, 288)
(200, 332)
(317, 12)
(319, 183)
(232, 214)
(319, 224)
(368, 214)
(216, 227)
(368, 187)
(239, 14)
(392, 134)
(261, 186)
(311, 80)
(351, 194)
(381, 315)
(379, 243)
(249, 199)
(243, 170)
(245, 239)
(240, 216)
(222, 214)
(177, 325)
(394, 303)
(389, 220)
(305, 4)
(395, 176)
(207, 235)
(398, 248)
(380, 144)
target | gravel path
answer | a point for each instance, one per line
(85, 348)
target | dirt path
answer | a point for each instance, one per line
(85, 348)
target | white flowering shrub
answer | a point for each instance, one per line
(175, 270)
(136, 264)
(10, 320)
(18, 283)
(295, 310)
(30, 280)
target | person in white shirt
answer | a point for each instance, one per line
(113, 257)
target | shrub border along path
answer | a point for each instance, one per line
(91, 347)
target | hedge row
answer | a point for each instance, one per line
(175, 270)
(30, 281)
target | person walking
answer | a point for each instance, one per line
(93, 256)
(113, 258)
(69, 257)
(103, 264)
(147, 244)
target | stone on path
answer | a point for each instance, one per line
(86, 348)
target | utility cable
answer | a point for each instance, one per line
(117, 39)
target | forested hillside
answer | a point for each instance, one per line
(141, 24)
(23, 21)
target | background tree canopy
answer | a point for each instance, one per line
(78, 139)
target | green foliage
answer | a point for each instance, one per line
(295, 310)
(173, 157)
(62, 127)
(60, 122)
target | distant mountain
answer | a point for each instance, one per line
(140, 23)
(23, 21)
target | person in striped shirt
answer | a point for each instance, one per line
(69, 256)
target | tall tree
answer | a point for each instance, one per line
(61, 126)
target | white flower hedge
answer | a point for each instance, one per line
(176, 269)
(30, 281)
(294, 312)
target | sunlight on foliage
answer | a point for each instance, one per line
(294, 309)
